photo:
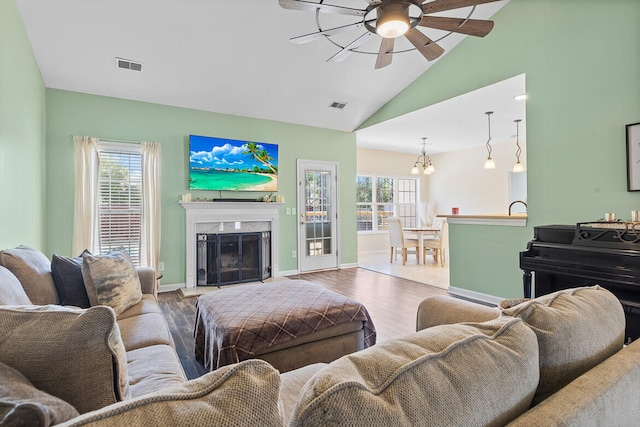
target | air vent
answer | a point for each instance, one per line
(127, 64)
(338, 105)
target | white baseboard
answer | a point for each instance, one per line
(169, 288)
(478, 296)
(350, 265)
(288, 273)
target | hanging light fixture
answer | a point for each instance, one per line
(489, 163)
(393, 20)
(518, 167)
(424, 160)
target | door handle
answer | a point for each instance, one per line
(303, 222)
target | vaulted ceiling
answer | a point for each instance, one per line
(230, 57)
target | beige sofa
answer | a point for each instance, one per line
(88, 357)
(556, 360)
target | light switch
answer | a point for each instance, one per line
(237, 225)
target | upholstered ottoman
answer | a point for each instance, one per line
(289, 324)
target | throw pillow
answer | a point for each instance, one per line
(576, 329)
(243, 394)
(461, 374)
(33, 270)
(111, 280)
(67, 277)
(11, 291)
(24, 404)
(74, 354)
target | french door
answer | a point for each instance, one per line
(317, 215)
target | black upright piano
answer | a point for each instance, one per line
(566, 256)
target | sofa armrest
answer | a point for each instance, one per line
(444, 310)
(148, 280)
(605, 395)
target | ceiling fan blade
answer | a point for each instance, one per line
(384, 55)
(325, 8)
(329, 32)
(346, 51)
(427, 47)
(442, 5)
(472, 27)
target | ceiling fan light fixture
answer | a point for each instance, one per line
(393, 20)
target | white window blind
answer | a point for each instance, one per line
(120, 202)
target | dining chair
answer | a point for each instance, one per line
(398, 241)
(438, 242)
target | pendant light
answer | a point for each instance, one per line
(424, 160)
(489, 163)
(518, 167)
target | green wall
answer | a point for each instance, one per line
(71, 113)
(22, 135)
(582, 62)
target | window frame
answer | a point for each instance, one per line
(396, 206)
(138, 254)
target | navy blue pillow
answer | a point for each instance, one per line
(67, 277)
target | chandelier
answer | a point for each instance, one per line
(424, 161)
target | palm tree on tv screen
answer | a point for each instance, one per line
(261, 155)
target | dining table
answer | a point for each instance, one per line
(421, 233)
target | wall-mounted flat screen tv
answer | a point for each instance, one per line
(232, 165)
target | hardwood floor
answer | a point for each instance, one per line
(392, 304)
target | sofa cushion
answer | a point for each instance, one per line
(11, 291)
(148, 304)
(23, 404)
(576, 329)
(33, 270)
(144, 330)
(243, 394)
(152, 368)
(111, 280)
(460, 374)
(67, 277)
(71, 353)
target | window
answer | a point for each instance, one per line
(120, 199)
(381, 197)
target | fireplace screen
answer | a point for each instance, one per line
(224, 259)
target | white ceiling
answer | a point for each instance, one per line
(455, 124)
(230, 57)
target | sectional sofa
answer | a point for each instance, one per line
(555, 360)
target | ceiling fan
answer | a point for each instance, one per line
(394, 18)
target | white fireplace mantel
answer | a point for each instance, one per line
(228, 217)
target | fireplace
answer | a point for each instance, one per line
(227, 221)
(224, 259)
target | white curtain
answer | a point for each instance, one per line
(85, 213)
(151, 204)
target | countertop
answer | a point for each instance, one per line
(514, 220)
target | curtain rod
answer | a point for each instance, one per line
(126, 141)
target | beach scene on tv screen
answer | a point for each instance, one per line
(232, 165)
